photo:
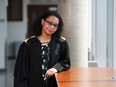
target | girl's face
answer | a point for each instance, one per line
(50, 25)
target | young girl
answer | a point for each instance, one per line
(43, 54)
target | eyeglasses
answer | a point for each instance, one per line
(51, 24)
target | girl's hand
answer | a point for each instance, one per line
(50, 72)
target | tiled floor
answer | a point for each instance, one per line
(6, 77)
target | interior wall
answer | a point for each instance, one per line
(114, 35)
(110, 33)
(3, 33)
(104, 32)
(17, 30)
(99, 31)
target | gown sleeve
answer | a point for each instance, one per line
(22, 66)
(64, 58)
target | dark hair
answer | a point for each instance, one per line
(36, 28)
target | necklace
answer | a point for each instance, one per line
(44, 42)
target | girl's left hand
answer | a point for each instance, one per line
(50, 72)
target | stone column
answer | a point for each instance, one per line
(75, 17)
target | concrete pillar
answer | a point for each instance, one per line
(75, 17)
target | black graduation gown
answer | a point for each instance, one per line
(28, 67)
